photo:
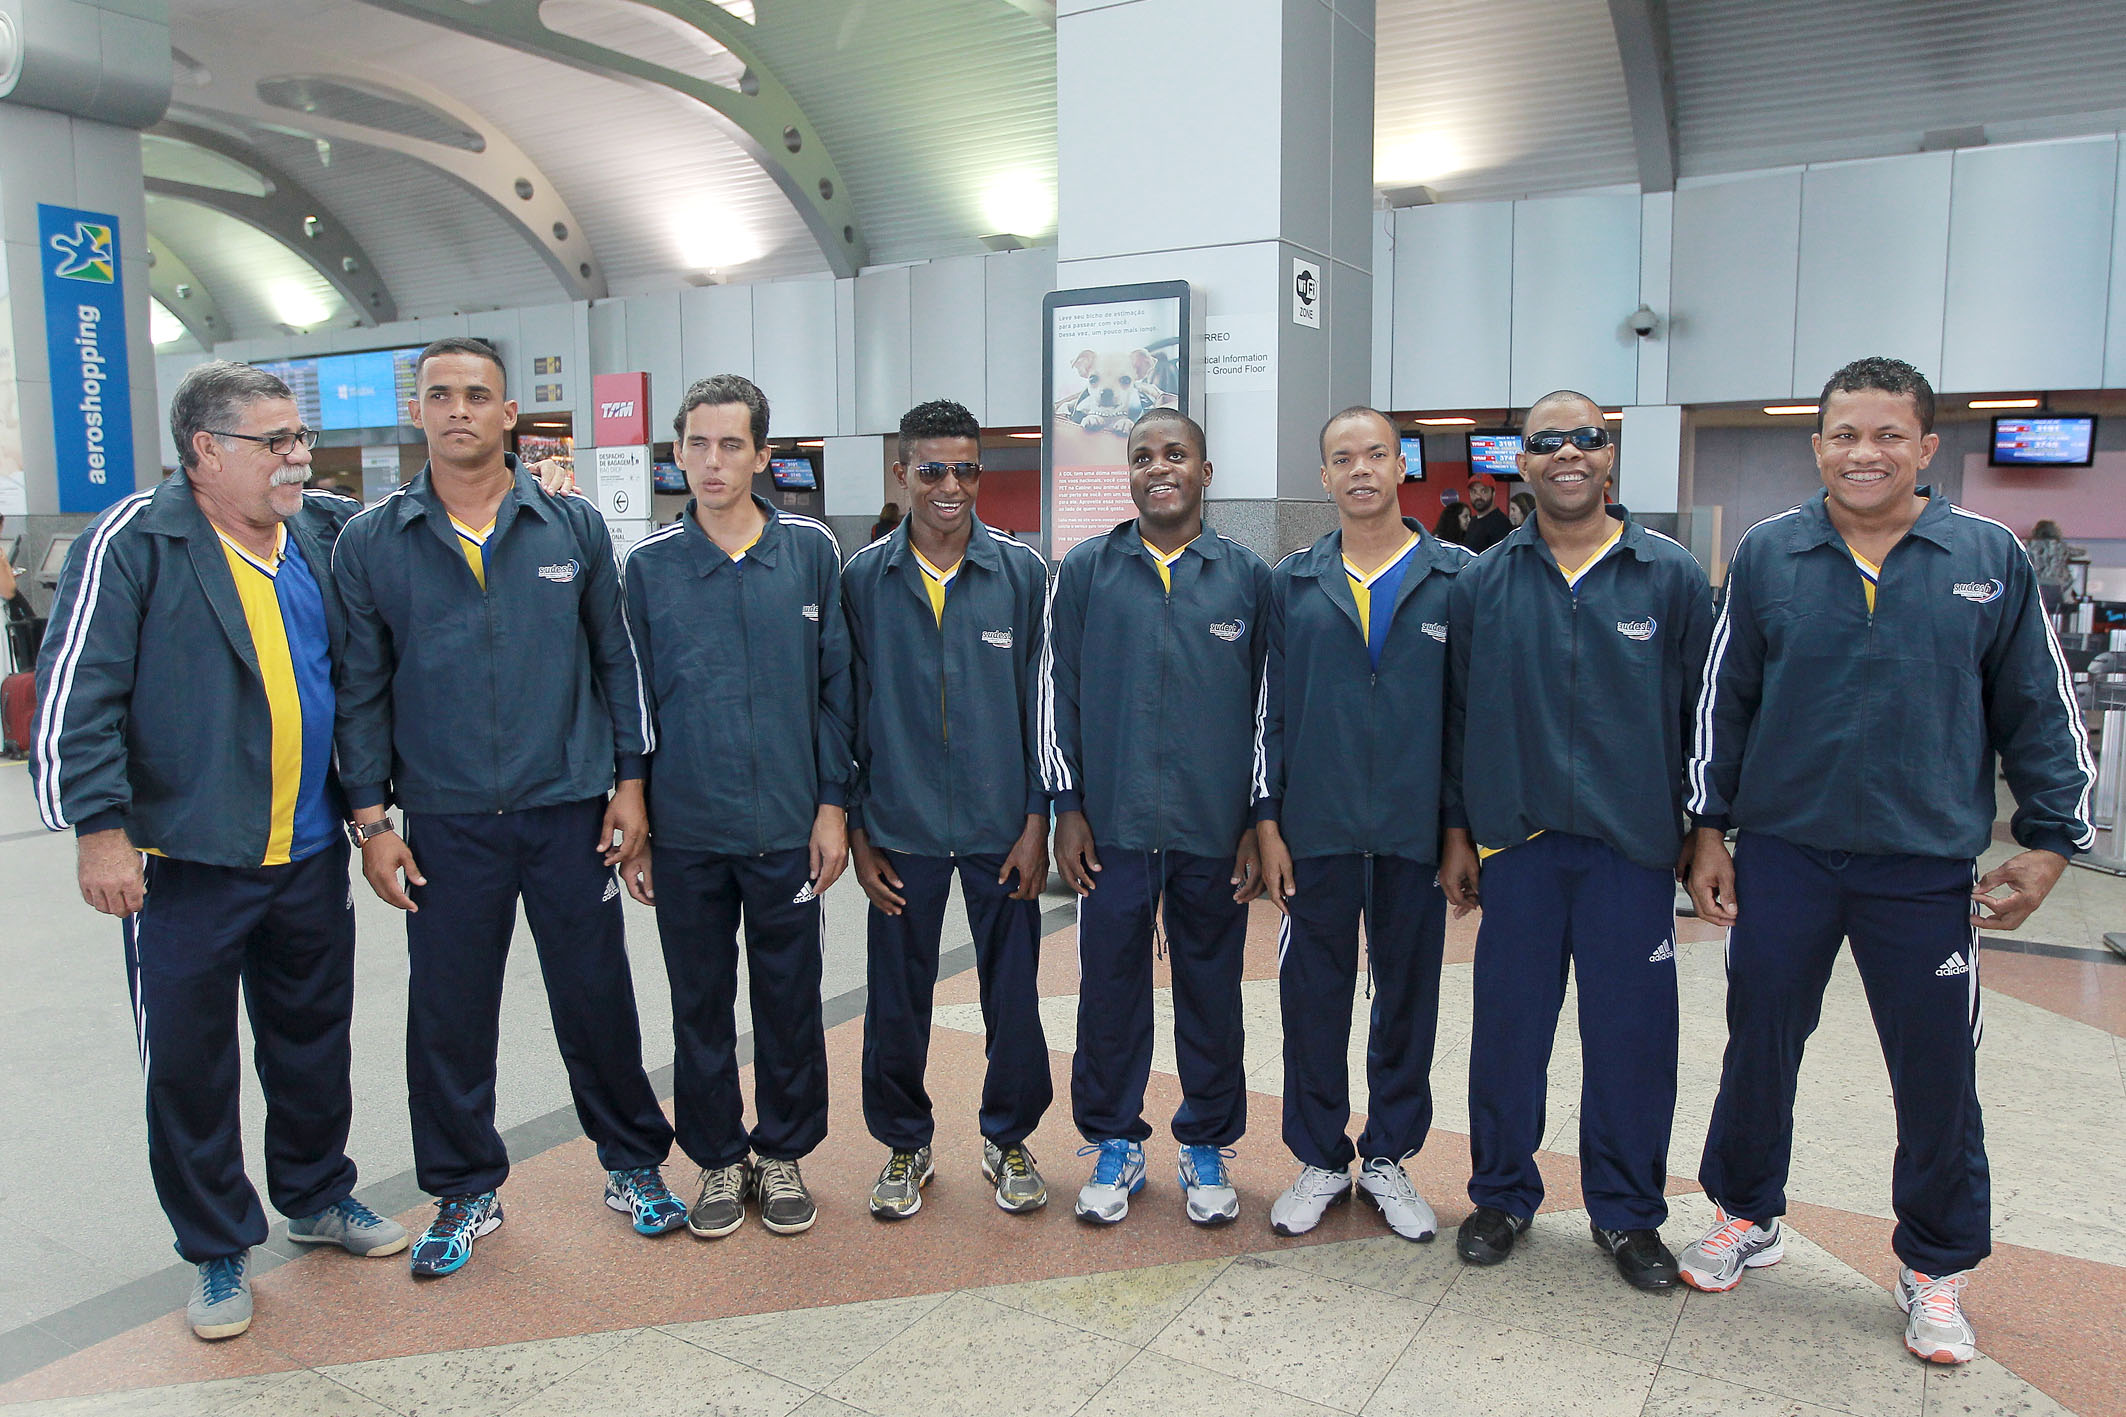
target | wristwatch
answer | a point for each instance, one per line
(362, 833)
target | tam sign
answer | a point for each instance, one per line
(620, 410)
(85, 340)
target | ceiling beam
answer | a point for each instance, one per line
(761, 115)
(1650, 86)
(289, 214)
(181, 292)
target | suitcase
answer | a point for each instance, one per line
(18, 709)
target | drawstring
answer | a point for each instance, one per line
(1365, 915)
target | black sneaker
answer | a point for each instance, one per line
(1487, 1236)
(1641, 1258)
(720, 1208)
(785, 1205)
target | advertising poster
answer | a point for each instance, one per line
(1111, 354)
(85, 337)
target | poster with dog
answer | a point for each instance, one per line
(1110, 361)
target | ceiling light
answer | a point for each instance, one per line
(1417, 158)
(2004, 403)
(296, 303)
(1035, 436)
(1021, 202)
(1613, 416)
(813, 443)
(1790, 408)
(709, 239)
(163, 327)
(1446, 422)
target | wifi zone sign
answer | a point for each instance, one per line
(620, 410)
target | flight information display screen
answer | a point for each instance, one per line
(340, 391)
(1496, 453)
(2053, 440)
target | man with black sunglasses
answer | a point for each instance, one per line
(945, 625)
(1585, 633)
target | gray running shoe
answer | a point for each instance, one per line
(220, 1306)
(1301, 1206)
(1938, 1330)
(720, 1208)
(1388, 1186)
(898, 1191)
(785, 1205)
(1715, 1264)
(1010, 1169)
(352, 1226)
(1208, 1186)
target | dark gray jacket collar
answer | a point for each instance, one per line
(981, 546)
(1815, 529)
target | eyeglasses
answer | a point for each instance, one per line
(278, 444)
(1548, 441)
(933, 473)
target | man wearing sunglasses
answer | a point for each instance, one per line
(185, 735)
(945, 623)
(1584, 633)
(736, 611)
(1150, 683)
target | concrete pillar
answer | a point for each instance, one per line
(1224, 142)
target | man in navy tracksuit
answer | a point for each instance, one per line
(945, 625)
(185, 710)
(1148, 696)
(736, 610)
(1348, 766)
(1877, 649)
(489, 686)
(1583, 632)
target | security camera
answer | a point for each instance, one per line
(1645, 323)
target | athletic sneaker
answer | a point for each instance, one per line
(643, 1194)
(1388, 1186)
(1010, 1169)
(1714, 1265)
(785, 1205)
(1309, 1196)
(352, 1226)
(1937, 1330)
(447, 1243)
(720, 1207)
(1117, 1175)
(898, 1191)
(1211, 1197)
(220, 1306)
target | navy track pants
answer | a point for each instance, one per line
(1553, 903)
(478, 866)
(1405, 917)
(1909, 921)
(701, 898)
(286, 935)
(901, 972)
(1206, 934)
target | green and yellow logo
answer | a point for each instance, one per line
(86, 255)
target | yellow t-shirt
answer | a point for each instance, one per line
(474, 545)
(740, 553)
(1163, 561)
(934, 582)
(276, 666)
(1362, 584)
(1574, 575)
(1869, 574)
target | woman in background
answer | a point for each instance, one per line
(2049, 556)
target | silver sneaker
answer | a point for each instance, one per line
(898, 1191)
(1010, 1169)
(1388, 1186)
(1117, 1175)
(785, 1205)
(1208, 1186)
(1715, 1264)
(352, 1226)
(1309, 1196)
(220, 1306)
(1937, 1329)
(720, 1207)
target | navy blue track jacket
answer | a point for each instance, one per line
(1148, 699)
(458, 699)
(945, 726)
(151, 713)
(1597, 686)
(1835, 728)
(1349, 761)
(748, 670)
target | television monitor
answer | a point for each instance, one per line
(1496, 451)
(55, 558)
(2044, 440)
(1413, 458)
(334, 392)
(666, 477)
(793, 474)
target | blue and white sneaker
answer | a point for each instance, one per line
(352, 1226)
(447, 1243)
(643, 1194)
(1117, 1175)
(1208, 1186)
(220, 1306)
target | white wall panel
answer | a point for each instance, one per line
(1732, 274)
(2115, 334)
(1383, 342)
(1016, 281)
(2030, 234)
(608, 336)
(1453, 335)
(1575, 283)
(881, 349)
(844, 355)
(851, 478)
(793, 355)
(715, 331)
(1657, 230)
(547, 332)
(1874, 261)
(948, 335)
(653, 346)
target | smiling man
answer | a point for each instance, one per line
(1582, 633)
(1148, 696)
(1348, 765)
(1877, 649)
(945, 620)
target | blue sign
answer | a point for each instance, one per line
(84, 333)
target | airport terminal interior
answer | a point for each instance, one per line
(1262, 212)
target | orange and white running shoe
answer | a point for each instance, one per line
(1714, 1265)
(1937, 1330)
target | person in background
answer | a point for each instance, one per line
(2049, 557)
(1453, 524)
(1519, 507)
(889, 517)
(1488, 522)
